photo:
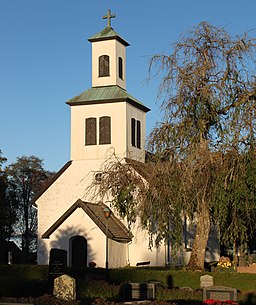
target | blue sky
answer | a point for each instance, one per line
(45, 59)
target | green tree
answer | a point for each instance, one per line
(25, 178)
(7, 210)
(235, 207)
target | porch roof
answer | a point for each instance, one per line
(116, 230)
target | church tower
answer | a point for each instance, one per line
(106, 119)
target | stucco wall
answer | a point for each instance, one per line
(80, 151)
(134, 152)
(69, 187)
(121, 114)
(113, 49)
(64, 192)
(118, 254)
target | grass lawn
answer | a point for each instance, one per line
(31, 281)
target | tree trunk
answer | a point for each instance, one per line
(196, 261)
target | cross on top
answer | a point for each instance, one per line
(109, 16)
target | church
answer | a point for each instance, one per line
(104, 119)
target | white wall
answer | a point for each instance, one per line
(121, 114)
(139, 249)
(117, 112)
(114, 49)
(134, 152)
(65, 191)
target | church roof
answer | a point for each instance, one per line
(107, 34)
(49, 182)
(106, 94)
(116, 229)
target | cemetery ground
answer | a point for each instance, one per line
(29, 284)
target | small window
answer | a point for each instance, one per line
(120, 67)
(90, 131)
(98, 177)
(138, 135)
(103, 65)
(133, 132)
(105, 130)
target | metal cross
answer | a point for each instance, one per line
(109, 16)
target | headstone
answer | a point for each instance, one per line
(206, 281)
(65, 287)
(138, 291)
(220, 293)
(57, 263)
(187, 288)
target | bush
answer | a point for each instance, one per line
(51, 300)
(97, 289)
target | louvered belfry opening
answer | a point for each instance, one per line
(104, 66)
(90, 131)
(133, 131)
(120, 67)
(105, 130)
(138, 134)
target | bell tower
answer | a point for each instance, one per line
(106, 118)
(108, 57)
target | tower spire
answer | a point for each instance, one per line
(109, 16)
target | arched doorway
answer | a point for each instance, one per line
(78, 251)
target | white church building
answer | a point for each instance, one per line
(105, 118)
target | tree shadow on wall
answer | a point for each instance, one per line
(42, 248)
(63, 238)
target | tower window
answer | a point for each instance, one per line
(103, 65)
(105, 130)
(120, 67)
(136, 133)
(90, 131)
(133, 132)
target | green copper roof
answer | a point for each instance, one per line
(106, 94)
(106, 34)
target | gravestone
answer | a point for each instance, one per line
(138, 291)
(220, 293)
(57, 263)
(65, 288)
(206, 281)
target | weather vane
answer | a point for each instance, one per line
(109, 16)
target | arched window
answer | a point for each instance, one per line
(133, 131)
(103, 65)
(136, 133)
(90, 131)
(120, 67)
(105, 130)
